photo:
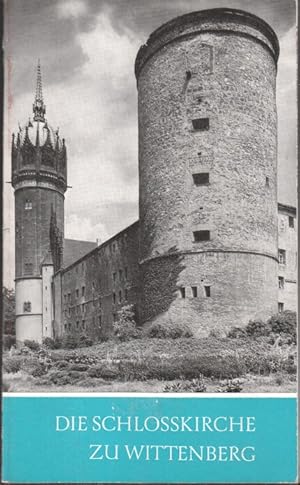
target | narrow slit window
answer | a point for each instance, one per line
(194, 291)
(207, 291)
(126, 294)
(114, 298)
(281, 282)
(201, 124)
(120, 296)
(200, 236)
(280, 307)
(267, 182)
(201, 178)
(182, 292)
(28, 268)
(83, 290)
(282, 256)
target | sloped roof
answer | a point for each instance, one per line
(74, 250)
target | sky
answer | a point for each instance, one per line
(87, 50)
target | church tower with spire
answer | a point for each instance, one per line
(39, 179)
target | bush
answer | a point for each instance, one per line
(51, 343)
(12, 364)
(84, 341)
(169, 330)
(257, 328)
(237, 332)
(284, 323)
(195, 385)
(8, 341)
(125, 326)
(231, 385)
(32, 344)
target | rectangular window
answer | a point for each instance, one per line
(114, 317)
(83, 324)
(194, 291)
(120, 296)
(69, 311)
(100, 320)
(201, 178)
(200, 124)
(114, 276)
(69, 297)
(28, 268)
(280, 307)
(207, 291)
(77, 325)
(28, 205)
(27, 307)
(120, 274)
(82, 308)
(69, 326)
(267, 182)
(83, 290)
(65, 326)
(182, 292)
(281, 282)
(65, 298)
(291, 221)
(200, 236)
(77, 293)
(282, 256)
(114, 298)
(126, 294)
(126, 273)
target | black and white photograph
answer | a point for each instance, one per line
(150, 181)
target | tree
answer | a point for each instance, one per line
(8, 309)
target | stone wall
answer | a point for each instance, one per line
(221, 74)
(287, 269)
(96, 286)
(32, 226)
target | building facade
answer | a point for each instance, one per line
(212, 246)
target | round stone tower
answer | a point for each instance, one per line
(208, 170)
(39, 177)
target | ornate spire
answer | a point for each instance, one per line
(39, 109)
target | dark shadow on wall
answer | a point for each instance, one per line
(159, 278)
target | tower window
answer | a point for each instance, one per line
(27, 307)
(207, 291)
(28, 268)
(291, 221)
(194, 291)
(282, 256)
(28, 205)
(182, 292)
(281, 282)
(200, 236)
(201, 178)
(280, 307)
(201, 124)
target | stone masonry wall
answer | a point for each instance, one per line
(95, 287)
(33, 225)
(230, 79)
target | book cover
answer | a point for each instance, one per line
(150, 242)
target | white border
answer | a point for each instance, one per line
(164, 395)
